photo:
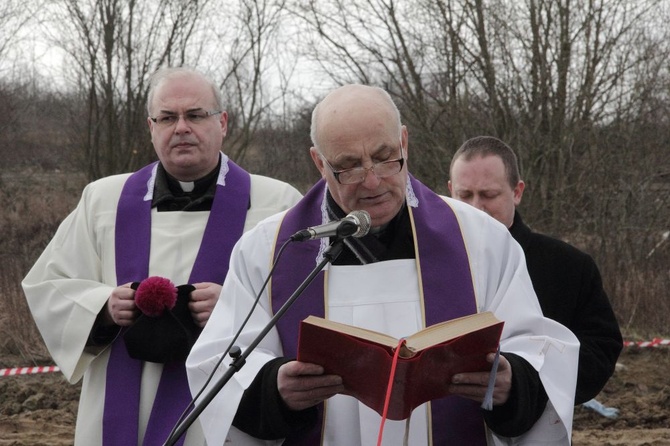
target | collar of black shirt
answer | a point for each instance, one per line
(394, 241)
(169, 195)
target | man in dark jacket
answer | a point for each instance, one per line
(484, 173)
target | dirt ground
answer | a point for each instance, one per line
(38, 410)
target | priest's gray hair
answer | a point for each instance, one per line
(164, 74)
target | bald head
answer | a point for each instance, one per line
(349, 109)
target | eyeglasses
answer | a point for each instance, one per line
(194, 117)
(357, 175)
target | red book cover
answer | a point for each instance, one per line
(426, 364)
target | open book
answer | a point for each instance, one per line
(426, 363)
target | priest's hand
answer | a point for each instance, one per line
(473, 385)
(202, 301)
(121, 309)
(303, 385)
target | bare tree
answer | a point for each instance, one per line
(252, 67)
(116, 44)
(531, 73)
(15, 16)
(113, 47)
(388, 43)
(579, 89)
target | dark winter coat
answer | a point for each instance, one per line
(570, 290)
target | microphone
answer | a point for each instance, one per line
(355, 224)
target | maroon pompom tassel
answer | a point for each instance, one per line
(154, 295)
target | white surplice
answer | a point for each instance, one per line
(73, 278)
(385, 297)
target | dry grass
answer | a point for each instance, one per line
(644, 302)
(34, 203)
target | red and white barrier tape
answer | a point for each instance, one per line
(653, 343)
(29, 370)
(53, 368)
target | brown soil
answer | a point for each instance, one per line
(37, 410)
(41, 409)
(640, 389)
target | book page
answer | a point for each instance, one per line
(444, 331)
(370, 335)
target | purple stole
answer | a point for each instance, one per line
(133, 238)
(447, 288)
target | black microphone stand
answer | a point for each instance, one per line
(331, 253)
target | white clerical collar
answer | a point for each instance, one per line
(378, 229)
(187, 186)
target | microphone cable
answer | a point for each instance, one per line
(191, 405)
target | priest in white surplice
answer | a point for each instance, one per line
(179, 219)
(426, 260)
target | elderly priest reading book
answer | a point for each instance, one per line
(426, 260)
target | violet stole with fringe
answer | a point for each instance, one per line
(224, 227)
(447, 288)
